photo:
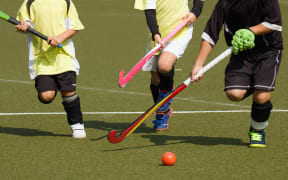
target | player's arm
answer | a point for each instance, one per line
(260, 29)
(244, 39)
(204, 51)
(56, 40)
(24, 18)
(271, 21)
(151, 20)
(195, 11)
(210, 37)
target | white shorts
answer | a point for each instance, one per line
(176, 47)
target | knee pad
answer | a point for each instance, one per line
(166, 80)
(261, 112)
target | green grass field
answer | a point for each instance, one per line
(208, 144)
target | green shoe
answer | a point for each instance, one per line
(257, 138)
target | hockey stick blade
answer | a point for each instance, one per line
(124, 80)
(114, 137)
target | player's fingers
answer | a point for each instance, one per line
(162, 44)
(21, 25)
(49, 40)
(192, 77)
(200, 77)
(188, 19)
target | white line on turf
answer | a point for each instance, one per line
(113, 113)
(16, 81)
(191, 99)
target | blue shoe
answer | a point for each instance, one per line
(163, 114)
(257, 138)
(161, 122)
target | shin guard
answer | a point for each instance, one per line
(260, 114)
(166, 80)
(155, 92)
(73, 110)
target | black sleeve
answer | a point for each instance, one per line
(214, 25)
(152, 22)
(272, 14)
(197, 7)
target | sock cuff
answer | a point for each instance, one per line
(258, 125)
(69, 99)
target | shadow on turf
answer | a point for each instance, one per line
(106, 126)
(161, 140)
(199, 140)
(28, 132)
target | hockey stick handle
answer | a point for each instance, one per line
(211, 64)
(185, 84)
(31, 30)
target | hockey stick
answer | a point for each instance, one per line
(113, 135)
(31, 30)
(124, 80)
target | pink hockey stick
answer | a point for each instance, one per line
(124, 80)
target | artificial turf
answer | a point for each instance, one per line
(207, 145)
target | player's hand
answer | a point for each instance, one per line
(195, 70)
(158, 40)
(191, 18)
(23, 26)
(243, 40)
(54, 41)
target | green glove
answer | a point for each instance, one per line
(243, 40)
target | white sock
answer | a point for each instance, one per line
(258, 125)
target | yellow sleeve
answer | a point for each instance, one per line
(23, 12)
(73, 17)
(145, 4)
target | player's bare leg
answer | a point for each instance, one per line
(260, 112)
(165, 72)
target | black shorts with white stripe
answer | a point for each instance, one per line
(253, 70)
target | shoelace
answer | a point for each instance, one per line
(255, 136)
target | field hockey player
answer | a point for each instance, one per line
(162, 17)
(254, 29)
(54, 69)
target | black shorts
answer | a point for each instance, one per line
(253, 71)
(60, 82)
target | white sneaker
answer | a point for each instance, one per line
(78, 130)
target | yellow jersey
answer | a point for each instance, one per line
(51, 18)
(169, 13)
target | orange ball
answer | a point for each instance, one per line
(168, 158)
